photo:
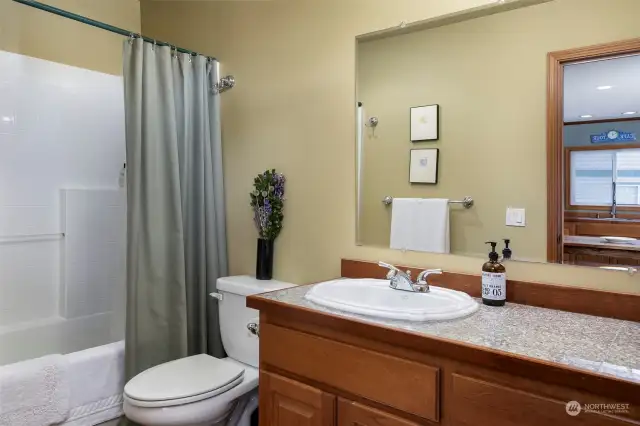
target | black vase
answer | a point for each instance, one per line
(264, 264)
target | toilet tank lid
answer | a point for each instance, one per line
(244, 285)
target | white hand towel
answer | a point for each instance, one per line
(34, 392)
(401, 218)
(419, 224)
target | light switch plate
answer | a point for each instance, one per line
(515, 217)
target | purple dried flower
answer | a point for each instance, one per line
(279, 190)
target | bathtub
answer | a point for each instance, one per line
(34, 339)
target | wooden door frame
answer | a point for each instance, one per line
(555, 128)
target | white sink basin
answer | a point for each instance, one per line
(375, 298)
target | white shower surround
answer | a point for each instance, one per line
(61, 127)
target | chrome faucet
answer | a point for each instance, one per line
(399, 280)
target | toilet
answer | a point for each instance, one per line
(201, 390)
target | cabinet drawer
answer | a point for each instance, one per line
(399, 383)
(479, 403)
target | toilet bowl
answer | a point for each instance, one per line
(201, 390)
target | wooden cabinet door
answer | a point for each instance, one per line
(354, 414)
(285, 402)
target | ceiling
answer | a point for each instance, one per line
(582, 96)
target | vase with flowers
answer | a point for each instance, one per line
(267, 201)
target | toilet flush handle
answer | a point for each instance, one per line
(254, 328)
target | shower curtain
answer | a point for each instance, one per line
(176, 242)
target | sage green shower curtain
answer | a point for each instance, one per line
(176, 242)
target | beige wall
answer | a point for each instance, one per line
(489, 77)
(293, 109)
(32, 32)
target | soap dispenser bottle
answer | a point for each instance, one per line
(506, 252)
(494, 279)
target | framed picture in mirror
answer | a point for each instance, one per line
(423, 165)
(425, 123)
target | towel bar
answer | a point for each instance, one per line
(5, 239)
(467, 202)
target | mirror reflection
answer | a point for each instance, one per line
(452, 137)
(602, 162)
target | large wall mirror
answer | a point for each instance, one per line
(467, 134)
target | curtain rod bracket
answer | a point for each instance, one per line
(224, 84)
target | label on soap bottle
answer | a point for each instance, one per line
(494, 286)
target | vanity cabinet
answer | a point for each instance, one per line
(323, 370)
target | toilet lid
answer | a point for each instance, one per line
(183, 378)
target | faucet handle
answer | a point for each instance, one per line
(388, 266)
(392, 269)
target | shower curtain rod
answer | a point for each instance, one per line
(102, 25)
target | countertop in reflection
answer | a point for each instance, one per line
(598, 242)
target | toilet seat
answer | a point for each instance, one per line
(183, 381)
(198, 413)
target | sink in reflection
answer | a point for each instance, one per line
(375, 298)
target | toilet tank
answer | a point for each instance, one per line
(239, 343)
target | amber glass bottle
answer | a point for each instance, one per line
(494, 280)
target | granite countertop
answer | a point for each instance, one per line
(602, 345)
